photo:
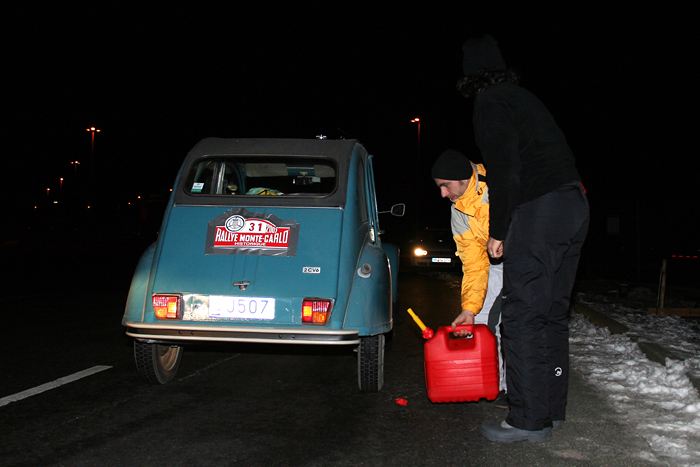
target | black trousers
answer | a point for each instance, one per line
(541, 254)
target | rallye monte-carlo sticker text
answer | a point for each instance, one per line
(240, 232)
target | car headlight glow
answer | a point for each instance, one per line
(420, 252)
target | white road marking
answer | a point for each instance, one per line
(53, 384)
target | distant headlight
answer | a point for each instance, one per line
(420, 252)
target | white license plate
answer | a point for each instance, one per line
(441, 260)
(241, 307)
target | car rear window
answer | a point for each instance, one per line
(261, 176)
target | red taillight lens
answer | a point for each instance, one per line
(315, 311)
(166, 306)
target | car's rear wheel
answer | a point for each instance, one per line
(370, 363)
(157, 363)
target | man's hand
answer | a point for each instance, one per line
(465, 317)
(495, 247)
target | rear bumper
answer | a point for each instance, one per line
(168, 333)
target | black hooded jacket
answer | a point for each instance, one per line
(525, 152)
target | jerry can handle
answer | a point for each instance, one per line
(462, 327)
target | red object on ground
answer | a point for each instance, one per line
(461, 369)
(402, 401)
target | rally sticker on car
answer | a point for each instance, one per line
(240, 232)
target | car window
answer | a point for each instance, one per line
(262, 176)
(361, 192)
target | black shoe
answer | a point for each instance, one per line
(501, 401)
(503, 432)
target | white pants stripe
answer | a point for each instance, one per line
(494, 290)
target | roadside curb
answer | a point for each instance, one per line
(600, 319)
(653, 352)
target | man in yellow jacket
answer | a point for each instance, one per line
(464, 183)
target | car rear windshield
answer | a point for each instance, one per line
(262, 175)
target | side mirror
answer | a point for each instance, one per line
(397, 210)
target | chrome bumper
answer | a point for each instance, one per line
(168, 333)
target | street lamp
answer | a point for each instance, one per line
(92, 130)
(417, 121)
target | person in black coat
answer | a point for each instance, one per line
(539, 221)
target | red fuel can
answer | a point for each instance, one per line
(461, 369)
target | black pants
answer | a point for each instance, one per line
(541, 254)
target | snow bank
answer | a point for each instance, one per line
(658, 402)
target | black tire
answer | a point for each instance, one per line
(157, 363)
(370, 363)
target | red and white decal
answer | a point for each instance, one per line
(241, 232)
(245, 233)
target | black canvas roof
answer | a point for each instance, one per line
(335, 149)
(338, 150)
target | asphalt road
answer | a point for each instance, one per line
(242, 405)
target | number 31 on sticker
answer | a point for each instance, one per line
(311, 270)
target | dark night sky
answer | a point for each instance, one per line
(155, 80)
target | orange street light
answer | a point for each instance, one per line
(92, 130)
(417, 121)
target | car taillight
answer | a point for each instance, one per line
(315, 310)
(166, 306)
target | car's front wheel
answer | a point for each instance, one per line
(370, 363)
(157, 363)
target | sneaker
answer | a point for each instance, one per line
(504, 432)
(501, 401)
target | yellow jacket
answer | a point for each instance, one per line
(470, 228)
